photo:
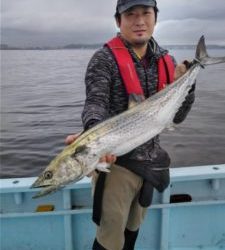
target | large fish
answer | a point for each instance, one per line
(124, 132)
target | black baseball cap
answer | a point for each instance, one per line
(123, 5)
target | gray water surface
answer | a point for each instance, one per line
(42, 95)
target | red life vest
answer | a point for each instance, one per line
(128, 72)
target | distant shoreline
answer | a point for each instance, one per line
(96, 46)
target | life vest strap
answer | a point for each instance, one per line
(165, 71)
(126, 66)
(128, 72)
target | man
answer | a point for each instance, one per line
(122, 196)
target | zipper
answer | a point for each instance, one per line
(146, 81)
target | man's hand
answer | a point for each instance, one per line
(181, 69)
(108, 158)
(71, 138)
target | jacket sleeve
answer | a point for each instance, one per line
(186, 106)
(97, 82)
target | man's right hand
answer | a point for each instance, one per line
(108, 158)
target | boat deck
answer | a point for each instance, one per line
(189, 215)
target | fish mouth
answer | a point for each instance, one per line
(46, 190)
(50, 188)
(39, 184)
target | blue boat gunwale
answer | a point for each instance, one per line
(176, 174)
(205, 183)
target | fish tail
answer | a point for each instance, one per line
(202, 56)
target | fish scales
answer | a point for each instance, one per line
(129, 127)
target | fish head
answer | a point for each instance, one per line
(61, 171)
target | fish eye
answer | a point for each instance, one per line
(48, 175)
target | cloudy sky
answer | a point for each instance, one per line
(61, 22)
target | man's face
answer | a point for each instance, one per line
(137, 25)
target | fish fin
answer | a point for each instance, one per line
(202, 57)
(134, 100)
(103, 167)
(201, 51)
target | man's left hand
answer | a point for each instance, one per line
(181, 69)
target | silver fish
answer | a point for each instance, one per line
(124, 132)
